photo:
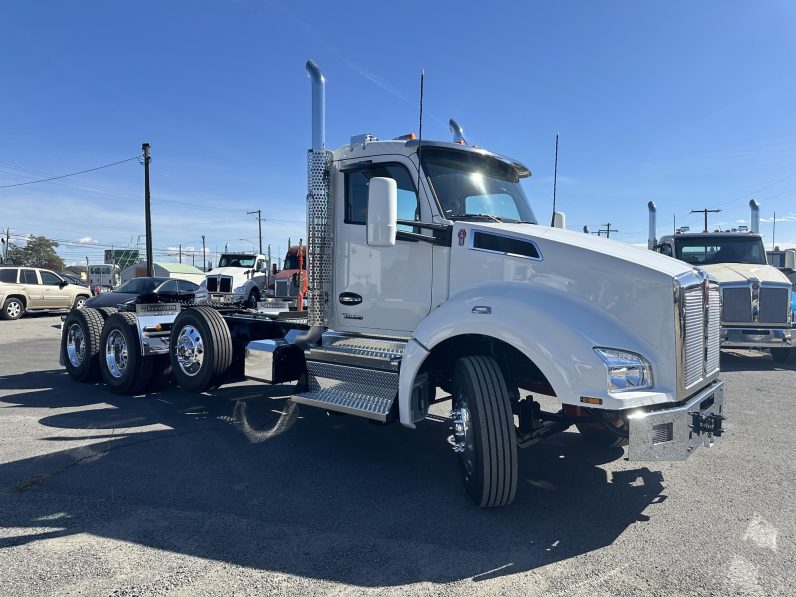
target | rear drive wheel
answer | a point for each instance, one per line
(13, 308)
(782, 355)
(484, 434)
(124, 369)
(80, 344)
(201, 348)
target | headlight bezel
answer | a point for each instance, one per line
(626, 371)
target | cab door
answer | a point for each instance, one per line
(380, 289)
(54, 295)
(29, 284)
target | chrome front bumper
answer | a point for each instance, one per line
(756, 338)
(675, 433)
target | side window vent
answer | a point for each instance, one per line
(505, 244)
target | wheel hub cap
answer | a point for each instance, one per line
(116, 354)
(190, 350)
(75, 345)
(13, 309)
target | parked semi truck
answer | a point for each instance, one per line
(238, 278)
(430, 280)
(755, 296)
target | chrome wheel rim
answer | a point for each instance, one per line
(190, 350)
(81, 303)
(75, 345)
(116, 354)
(14, 309)
(463, 438)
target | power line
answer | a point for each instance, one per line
(19, 184)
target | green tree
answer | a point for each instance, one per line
(38, 252)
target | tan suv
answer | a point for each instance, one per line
(32, 288)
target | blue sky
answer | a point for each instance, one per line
(687, 104)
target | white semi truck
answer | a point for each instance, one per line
(429, 280)
(238, 278)
(756, 307)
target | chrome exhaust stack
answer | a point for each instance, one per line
(653, 229)
(319, 217)
(755, 221)
(458, 132)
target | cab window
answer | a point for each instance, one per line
(356, 195)
(8, 275)
(49, 278)
(28, 276)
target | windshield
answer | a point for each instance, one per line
(469, 185)
(237, 261)
(702, 250)
(139, 285)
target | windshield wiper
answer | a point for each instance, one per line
(487, 216)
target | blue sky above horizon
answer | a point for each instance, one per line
(690, 105)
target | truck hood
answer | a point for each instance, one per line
(229, 271)
(743, 272)
(547, 236)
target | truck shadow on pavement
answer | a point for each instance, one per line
(256, 482)
(753, 360)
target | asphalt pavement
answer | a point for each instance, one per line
(240, 492)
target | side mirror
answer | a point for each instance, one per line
(559, 220)
(382, 212)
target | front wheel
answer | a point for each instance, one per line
(782, 355)
(80, 302)
(200, 347)
(252, 299)
(124, 369)
(484, 435)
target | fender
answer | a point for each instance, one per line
(554, 329)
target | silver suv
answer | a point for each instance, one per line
(34, 289)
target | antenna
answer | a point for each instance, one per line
(420, 128)
(555, 180)
(706, 212)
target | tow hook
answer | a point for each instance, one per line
(706, 422)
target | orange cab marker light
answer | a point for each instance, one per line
(588, 400)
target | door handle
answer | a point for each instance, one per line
(349, 298)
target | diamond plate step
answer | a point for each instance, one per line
(367, 393)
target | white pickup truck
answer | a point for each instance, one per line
(430, 280)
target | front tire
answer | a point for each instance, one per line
(13, 308)
(484, 432)
(124, 369)
(80, 344)
(252, 299)
(782, 355)
(201, 349)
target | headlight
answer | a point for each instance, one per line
(626, 370)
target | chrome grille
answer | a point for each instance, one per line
(713, 351)
(693, 336)
(773, 305)
(737, 305)
(212, 284)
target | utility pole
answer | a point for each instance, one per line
(180, 252)
(193, 259)
(259, 225)
(204, 255)
(150, 267)
(706, 212)
(607, 230)
(8, 241)
(774, 231)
